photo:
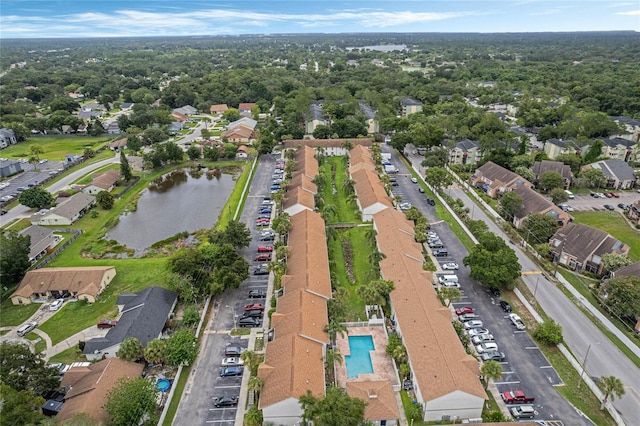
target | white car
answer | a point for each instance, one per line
(414, 180)
(450, 266)
(477, 331)
(517, 321)
(486, 347)
(57, 304)
(482, 338)
(232, 361)
(473, 324)
(405, 206)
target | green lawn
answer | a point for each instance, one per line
(56, 148)
(614, 224)
(345, 211)
(41, 345)
(12, 315)
(69, 356)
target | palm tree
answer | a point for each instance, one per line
(612, 387)
(332, 356)
(491, 370)
(399, 354)
(333, 328)
(154, 352)
(327, 211)
(130, 349)
(282, 252)
(282, 224)
(347, 145)
(251, 360)
(253, 417)
(448, 295)
(255, 384)
(348, 186)
(370, 235)
(376, 256)
(397, 199)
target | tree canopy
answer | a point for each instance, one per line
(36, 198)
(23, 370)
(493, 263)
(337, 408)
(130, 400)
(14, 261)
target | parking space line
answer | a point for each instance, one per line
(531, 347)
(222, 408)
(506, 383)
(228, 387)
(519, 331)
(222, 421)
(546, 366)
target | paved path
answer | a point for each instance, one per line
(85, 335)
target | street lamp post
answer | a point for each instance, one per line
(535, 290)
(584, 363)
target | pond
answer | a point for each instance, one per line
(183, 200)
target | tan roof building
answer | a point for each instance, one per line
(534, 202)
(84, 283)
(303, 181)
(296, 200)
(380, 399)
(497, 179)
(218, 109)
(241, 134)
(372, 197)
(330, 146)
(301, 312)
(245, 107)
(361, 157)
(306, 163)
(104, 182)
(88, 387)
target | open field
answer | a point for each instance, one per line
(616, 225)
(57, 147)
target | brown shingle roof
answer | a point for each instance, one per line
(301, 312)
(218, 108)
(369, 189)
(107, 179)
(298, 196)
(306, 162)
(303, 181)
(240, 131)
(246, 106)
(539, 167)
(380, 399)
(325, 143)
(533, 202)
(90, 385)
(494, 172)
(581, 241)
(80, 280)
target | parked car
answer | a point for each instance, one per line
(493, 356)
(254, 306)
(265, 249)
(477, 331)
(257, 294)
(405, 206)
(232, 361)
(436, 244)
(467, 317)
(414, 180)
(56, 304)
(621, 205)
(235, 351)
(615, 195)
(225, 401)
(505, 306)
(264, 211)
(267, 237)
(421, 190)
(609, 207)
(260, 271)
(231, 371)
(263, 222)
(263, 257)
(517, 321)
(255, 313)
(473, 324)
(487, 347)
(250, 322)
(3, 212)
(107, 323)
(482, 338)
(464, 310)
(26, 329)
(431, 201)
(523, 412)
(450, 266)
(516, 397)
(442, 252)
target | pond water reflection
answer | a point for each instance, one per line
(183, 200)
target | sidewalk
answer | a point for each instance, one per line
(85, 335)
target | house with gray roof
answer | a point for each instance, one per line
(9, 167)
(410, 106)
(316, 116)
(581, 247)
(539, 167)
(555, 147)
(632, 270)
(618, 173)
(186, 110)
(42, 239)
(66, 212)
(370, 115)
(465, 152)
(619, 149)
(142, 315)
(7, 137)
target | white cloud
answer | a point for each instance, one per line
(630, 13)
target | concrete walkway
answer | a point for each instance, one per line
(85, 335)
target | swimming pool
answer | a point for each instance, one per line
(359, 362)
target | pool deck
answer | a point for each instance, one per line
(381, 362)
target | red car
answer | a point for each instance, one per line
(107, 323)
(264, 257)
(254, 307)
(465, 310)
(608, 194)
(265, 249)
(615, 195)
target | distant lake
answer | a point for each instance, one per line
(381, 47)
(182, 200)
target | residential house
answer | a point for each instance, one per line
(360, 157)
(329, 147)
(445, 378)
(9, 167)
(104, 182)
(126, 106)
(93, 106)
(305, 162)
(380, 398)
(178, 116)
(581, 247)
(495, 180)
(82, 283)
(539, 167)
(89, 115)
(316, 117)
(242, 152)
(296, 346)
(175, 126)
(7, 137)
(41, 240)
(112, 128)
(242, 130)
(87, 387)
(371, 193)
(142, 315)
(218, 109)
(634, 212)
(555, 147)
(304, 182)
(118, 145)
(66, 212)
(297, 199)
(631, 125)
(632, 270)
(373, 126)
(186, 110)
(534, 202)
(410, 106)
(619, 148)
(245, 109)
(618, 173)
(465, 152)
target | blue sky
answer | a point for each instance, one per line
(119, 18)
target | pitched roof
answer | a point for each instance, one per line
(218, 108)
(41, 238)
(533, 202)
(367, 110)
(316, 111)
(326, 143)
(143, 317)
(299, 196)
(244, 121)
(395, 235)
(465, 145)
(107, 179)
(303, 181)
(360, 157)
(369, 189)
(245, 106)
(303, 313)
(89, 387)
(81, 280)
(616, 169)
(71, 207)
(239, 132)
(581, 241)
(408, 100)
(380, 399)
(539, 167)
(305, 160)
(118, 143)
(615, 142)
(495, 172)
(632, 270)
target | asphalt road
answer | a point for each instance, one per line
(525, 367)
(580, 334)
(205, 383)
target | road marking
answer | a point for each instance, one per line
(228, 387)
(519, 331)
(507, 372)
(531, 347)
(221, 421)
(546, 366)
(506, 383)
(222, 408)
(530, 272)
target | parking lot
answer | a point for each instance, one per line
(29, 178)
(589, 203)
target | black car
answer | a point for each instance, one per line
(248, 322)
(421, 190)
(257, 294)
(609, 207)
(442, 252)
(622, 206)
(260, 271)
(225, 401)
(431, 201)
(495, 291)
(254, 313)
(505, 306)
(267, 237)
(3, 212)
